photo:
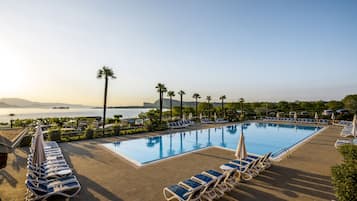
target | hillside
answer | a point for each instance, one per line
(5, 105)
(19, 102)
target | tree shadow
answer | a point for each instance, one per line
(87, 185)
(74, 149)
(279, 180)
(19, 162)
(245, 192)
(4, 175)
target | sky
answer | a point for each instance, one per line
(260, 50)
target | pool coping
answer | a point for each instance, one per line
(275, 159)
(288, 151)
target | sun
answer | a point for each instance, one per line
(12, 72)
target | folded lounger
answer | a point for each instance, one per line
(34, 179)
(50, 174)
(43, 191)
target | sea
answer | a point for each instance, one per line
(33, 113)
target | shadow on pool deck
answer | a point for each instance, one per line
(286, 181)
(303, 175)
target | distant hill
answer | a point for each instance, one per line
(18, 102)
(5, 105)
(166, 103)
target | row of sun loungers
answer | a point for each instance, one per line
(217, 121)
(298, 120)
(212, 184)
(53, 178)
(343, 123)
(180, 124)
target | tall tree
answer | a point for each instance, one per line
(196, 96)
(350, 102)
(106, 73)
(181, 93)
(208, 98)
(222, 98)
(241, 101)
(171, 94)
(161, 89)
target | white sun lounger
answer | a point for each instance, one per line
(342, 142)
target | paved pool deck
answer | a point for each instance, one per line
(303, 175)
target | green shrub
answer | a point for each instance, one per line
(133, 131)
(98, 133)
(349, 152)
(116, 130)
(54, 135)
(344, 179)
(89, 133)
(344, 176)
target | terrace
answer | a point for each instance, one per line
(303, 175)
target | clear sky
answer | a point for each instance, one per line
(260, 50)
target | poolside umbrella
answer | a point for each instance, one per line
(215, 116)
(333, 118)
(354, 126)
(295, 115)
(277, 115)
(183, 117)
(190, 116)
(316, 115)
(241, 151)
(200, 115)
(39, 152)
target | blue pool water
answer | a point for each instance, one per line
(260, 138)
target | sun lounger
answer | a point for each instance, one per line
(244, 171)
(221, 121)
(34, 179)
(208, 192)
(220, 187)
(52, 165)
(41, 191)
(51, 174)
(264, 163)
(206, 121)
(251, 168)
(342, 142)
(180, 193)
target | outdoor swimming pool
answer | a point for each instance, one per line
(260, 138)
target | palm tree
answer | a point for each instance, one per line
(222, 98)
(209, 107)
(106, 73)
(196, 96)
(171, 94)
(161, 89)
(241, 101)
(181, 93)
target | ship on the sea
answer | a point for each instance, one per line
(60, 107)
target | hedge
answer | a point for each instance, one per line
(344, 176)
